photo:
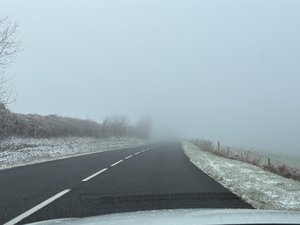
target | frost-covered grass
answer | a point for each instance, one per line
(275, 158)
(260, 188)
(19, 151)
(285, 166)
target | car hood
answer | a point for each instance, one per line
(185, 216)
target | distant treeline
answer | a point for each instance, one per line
(37, 126)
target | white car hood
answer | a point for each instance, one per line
(185, 216)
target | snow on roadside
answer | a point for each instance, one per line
(260, 188)
(21, 151)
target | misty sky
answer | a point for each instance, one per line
(223, 70)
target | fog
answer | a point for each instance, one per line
(227, 71)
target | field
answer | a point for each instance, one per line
(276, 159)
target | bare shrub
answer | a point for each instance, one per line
(222, 152)
(244, 156)
(256, 161)
(205, 145)
(9, 47)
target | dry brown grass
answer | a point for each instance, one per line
(283, 170)
(280, 169)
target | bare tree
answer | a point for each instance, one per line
(115, 126)
(143, 127)
(9, 47)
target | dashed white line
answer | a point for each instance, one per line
(128, 157)
(117, 162)
(95, 174)
(36, 208)
(147, 149)
(60, 194)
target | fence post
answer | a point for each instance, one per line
(228, 151)
(269, 162)
(218, 146)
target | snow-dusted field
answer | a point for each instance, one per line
(21, 151)
(276, 159)
(260, 188)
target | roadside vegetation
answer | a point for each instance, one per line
(258, 187)
(246, 156)
(37, 126)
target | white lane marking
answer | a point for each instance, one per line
(117, 162)
(93, 175)
(147, 149)
(36, 208)
(136, 153)
(128, 157)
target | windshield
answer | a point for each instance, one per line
(120, 106)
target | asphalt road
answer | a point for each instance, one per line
(142, 178)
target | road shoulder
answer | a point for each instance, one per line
(261, 189)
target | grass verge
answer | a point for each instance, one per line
(279, 169)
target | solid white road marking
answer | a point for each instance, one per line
(95, 174)
(128, 157)
(136, 153)
(117, 162)
(36, 208)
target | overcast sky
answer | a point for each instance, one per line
(223, 70)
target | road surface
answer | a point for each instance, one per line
(141, 178)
